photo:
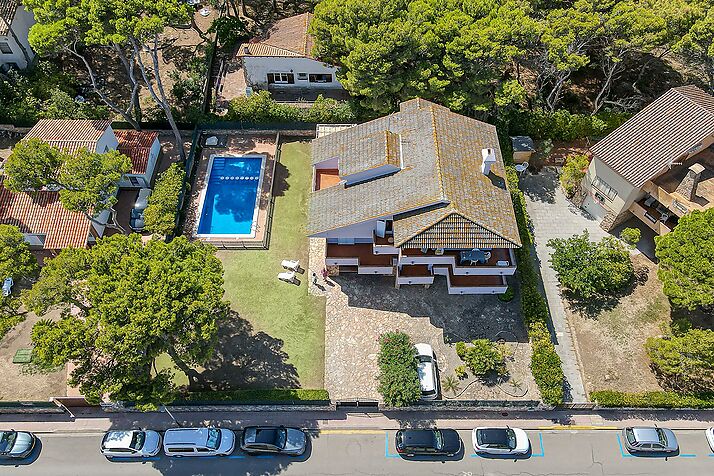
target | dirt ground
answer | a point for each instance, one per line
(610, 340)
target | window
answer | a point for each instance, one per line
(5, 48)
(606, 189)
(302, 76)
(320, 78)
(179, 450)
(134, 181)
(281, 78)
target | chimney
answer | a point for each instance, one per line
(489, 158)
(688, 187)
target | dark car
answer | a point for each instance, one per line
(431, 442)
(650, 440)
(16, 444)
(273, 439)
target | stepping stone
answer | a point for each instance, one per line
(22, 356)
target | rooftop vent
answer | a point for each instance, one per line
(489, 158)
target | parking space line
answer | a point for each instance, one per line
(622, 452)
(265, 456)
(387, 454)
(235, 456)
(687, 455)
(542, 450)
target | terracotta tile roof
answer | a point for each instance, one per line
(7, 14)
(42, 213)
(137, 146)
(660, 135)
(440, 178)
(288, 37)
(70, 135)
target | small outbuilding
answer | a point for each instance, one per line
(523, 148)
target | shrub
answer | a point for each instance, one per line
(684, 362)
(8, 321)
(460, 372)
(563, 125)
(482, 357)
(260, 107)
(587, 268)
(631, 236)
(259, 395)
(508, 295)
(533, 305)
(160, 214)
(546, 365)
(608, 398)
(398, 377)
(229, 31)
(573, 173)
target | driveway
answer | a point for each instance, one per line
(553, 216)
(361, 308)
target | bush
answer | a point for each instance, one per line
(631, 236)
(160, 214)
(563, 125)
(684, 362)
(9, 321)
(398, 377)
(460, 372)
(573, 173)
(587, 268)
(258, 396)
(229, 31)
(546, 365)
(533, 305)
(608, 398)
(508, 295)
(482, 357)
(260, 107)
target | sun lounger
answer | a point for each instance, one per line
(288, 277)
(291, 264)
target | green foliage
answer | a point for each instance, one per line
(533, 306)
(686, 260)
(188, 83)
(481, 357)
(398, 377)
(461, 372)
(588, 268)
(546, 365)
(260, 107)
(450, 384)
(271, 395)
(160, 214)
(684, 362)
(631, 236)
(563, 125)
(696, 44)
(8, 321)
(16, 259)
(229, 30)
(123, 304)
(573, 173)
(508, 295)
(608, 398)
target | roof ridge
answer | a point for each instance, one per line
(437, 153)
(448, 211)
(678, 91)
(477, 222)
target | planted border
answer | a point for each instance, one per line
(258, 396)
(612, 399)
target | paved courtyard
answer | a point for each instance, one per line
(554, 216)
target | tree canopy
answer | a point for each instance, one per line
(16, 260)
(685, 362)
(160, 214)
(686, 260)
(123, 304)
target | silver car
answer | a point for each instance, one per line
(16, 444)
(131, 443)
(650, 440)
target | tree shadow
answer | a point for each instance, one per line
(280, 180)
(244, 359)
(541, 187)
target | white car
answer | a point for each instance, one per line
(428, 373)
(181, 442)
(500, 441)
(710, 437)
(131, 443)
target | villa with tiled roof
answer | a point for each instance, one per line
(417, 194)
(283, 59)
(15, 24)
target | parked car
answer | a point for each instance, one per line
(131, 443)
(500, 441)
(199, 442)
(650, 439)
(273, 439)
(428, 373)
(16, 444)
(428, 442)
(136, 217)
(710, 437)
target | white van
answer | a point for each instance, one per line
(199, 442)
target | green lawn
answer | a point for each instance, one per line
(283, 311)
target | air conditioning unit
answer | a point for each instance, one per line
(439, 251)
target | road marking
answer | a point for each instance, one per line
(235, 456)
(622, 452)
(542, 450)
(687, 455)
(350, 432)
(577, 427)
(387, 454)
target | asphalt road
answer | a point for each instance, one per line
(371, 452)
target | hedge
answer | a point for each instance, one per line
(609, 398)
(563, 125)
(260, 107)
(274, 395)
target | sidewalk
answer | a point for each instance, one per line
(97, 421)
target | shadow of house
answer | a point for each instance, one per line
(462, 317)
(244, 359)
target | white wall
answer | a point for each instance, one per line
(256, 70)
(107, 142)
(626, 193)
(370, 174)
(360, 230)
(21, 26)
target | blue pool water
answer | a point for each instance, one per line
(231, 196)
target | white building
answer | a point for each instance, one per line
(283, 59)
(15, 23)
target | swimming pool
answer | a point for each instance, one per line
(229, 203)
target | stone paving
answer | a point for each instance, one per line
(360, 308)
(553, 216)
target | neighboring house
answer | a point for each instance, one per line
(283, 59)
(15, 23)
(143, 148)
(417, 194)
(657, 166)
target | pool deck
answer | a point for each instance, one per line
(236, 143)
